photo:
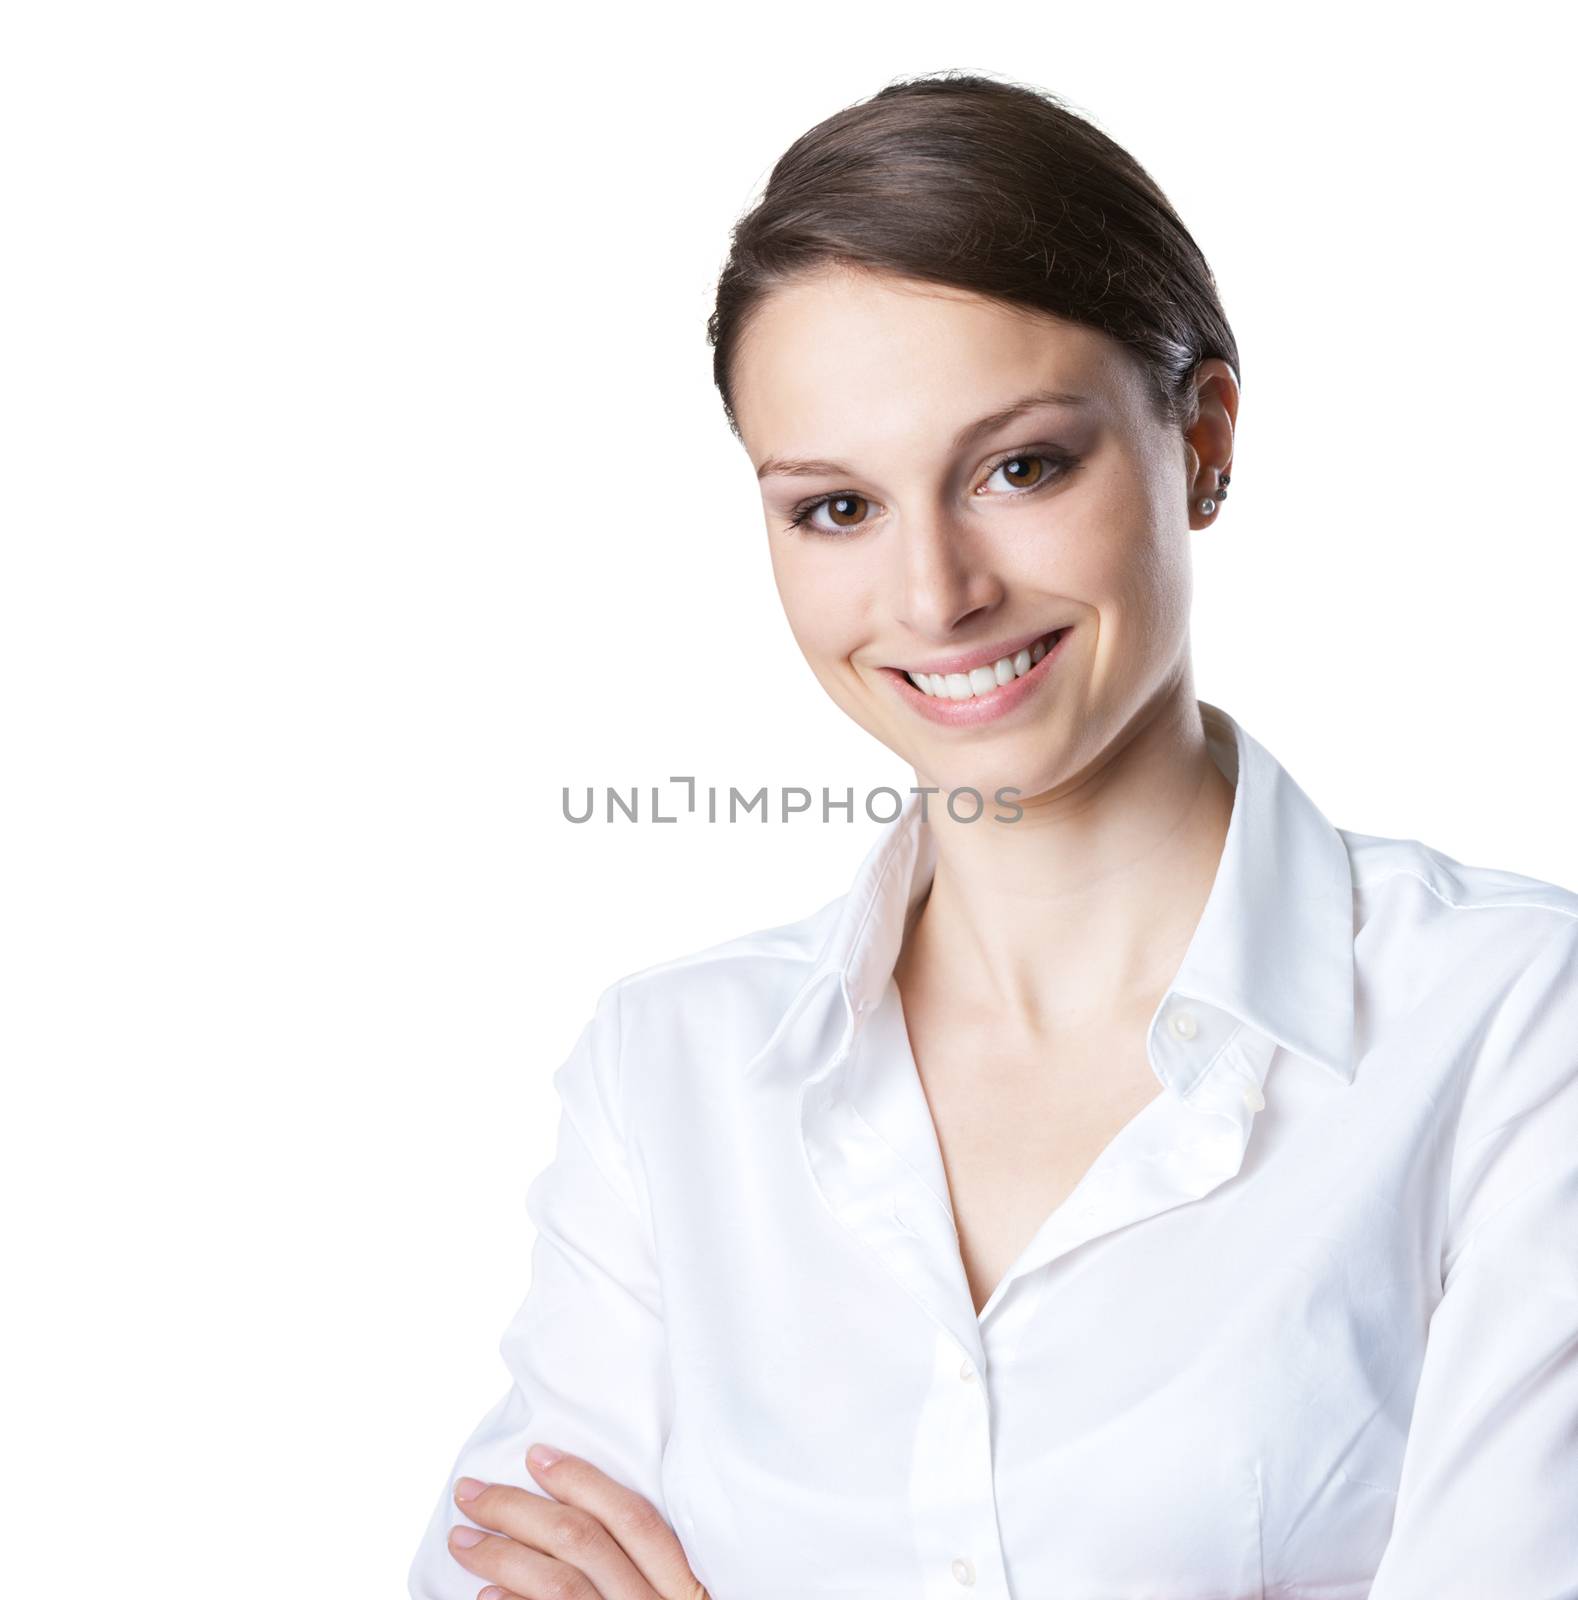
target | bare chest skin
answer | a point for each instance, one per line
(1019, 1125)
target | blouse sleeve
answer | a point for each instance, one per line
(585, 1350)
(1488, 1498)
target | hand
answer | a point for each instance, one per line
(595, 1540)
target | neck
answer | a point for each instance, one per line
(1081, 909)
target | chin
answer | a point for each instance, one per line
(986, 784)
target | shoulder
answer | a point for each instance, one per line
(1448, 955)
(665, 1037)
(718, 1003)
(1493, 953)
(1409, 882)
(1381, 863)
(1476, 968)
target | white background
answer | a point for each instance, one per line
(364, 484)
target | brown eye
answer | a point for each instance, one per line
(847, 511)
(1022, 471)
(1029, 470)
(850, 505)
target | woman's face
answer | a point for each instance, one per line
(933, 536)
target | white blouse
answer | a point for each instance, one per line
(1308, 1327)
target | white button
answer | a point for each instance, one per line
(1184, 1024)
(966, 1371)
(1253, 1098)
(963, 1572)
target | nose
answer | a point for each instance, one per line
(941, 580)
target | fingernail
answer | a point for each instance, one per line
(492, 1592)
(468, 1488)
(466, 1537)
(540, 1455)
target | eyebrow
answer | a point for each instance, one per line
(793, 468)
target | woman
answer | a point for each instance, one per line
(1160, 1192)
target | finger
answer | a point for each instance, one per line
(520, 1571)
(635, 1523)
(540, 1541)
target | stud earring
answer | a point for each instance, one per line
(1208, 505)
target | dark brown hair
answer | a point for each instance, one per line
(990, 186)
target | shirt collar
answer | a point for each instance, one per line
(1273, 948)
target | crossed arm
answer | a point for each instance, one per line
(588, 1364)
(595, 1540)
(1488, 1499)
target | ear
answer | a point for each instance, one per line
(1208, 441)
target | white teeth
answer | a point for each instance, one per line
(980, 680)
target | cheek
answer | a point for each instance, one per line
(1134, 554)
(1151, 581)
(1101, 542)
(824, 601)
(1134, 573)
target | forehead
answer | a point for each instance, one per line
(848, 356)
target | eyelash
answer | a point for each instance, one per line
(1064, 463)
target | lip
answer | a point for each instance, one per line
(981, 708)
(982, 657)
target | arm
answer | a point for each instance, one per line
(585, 1350)
(1488, 1499)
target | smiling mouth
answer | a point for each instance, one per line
(984, 680)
